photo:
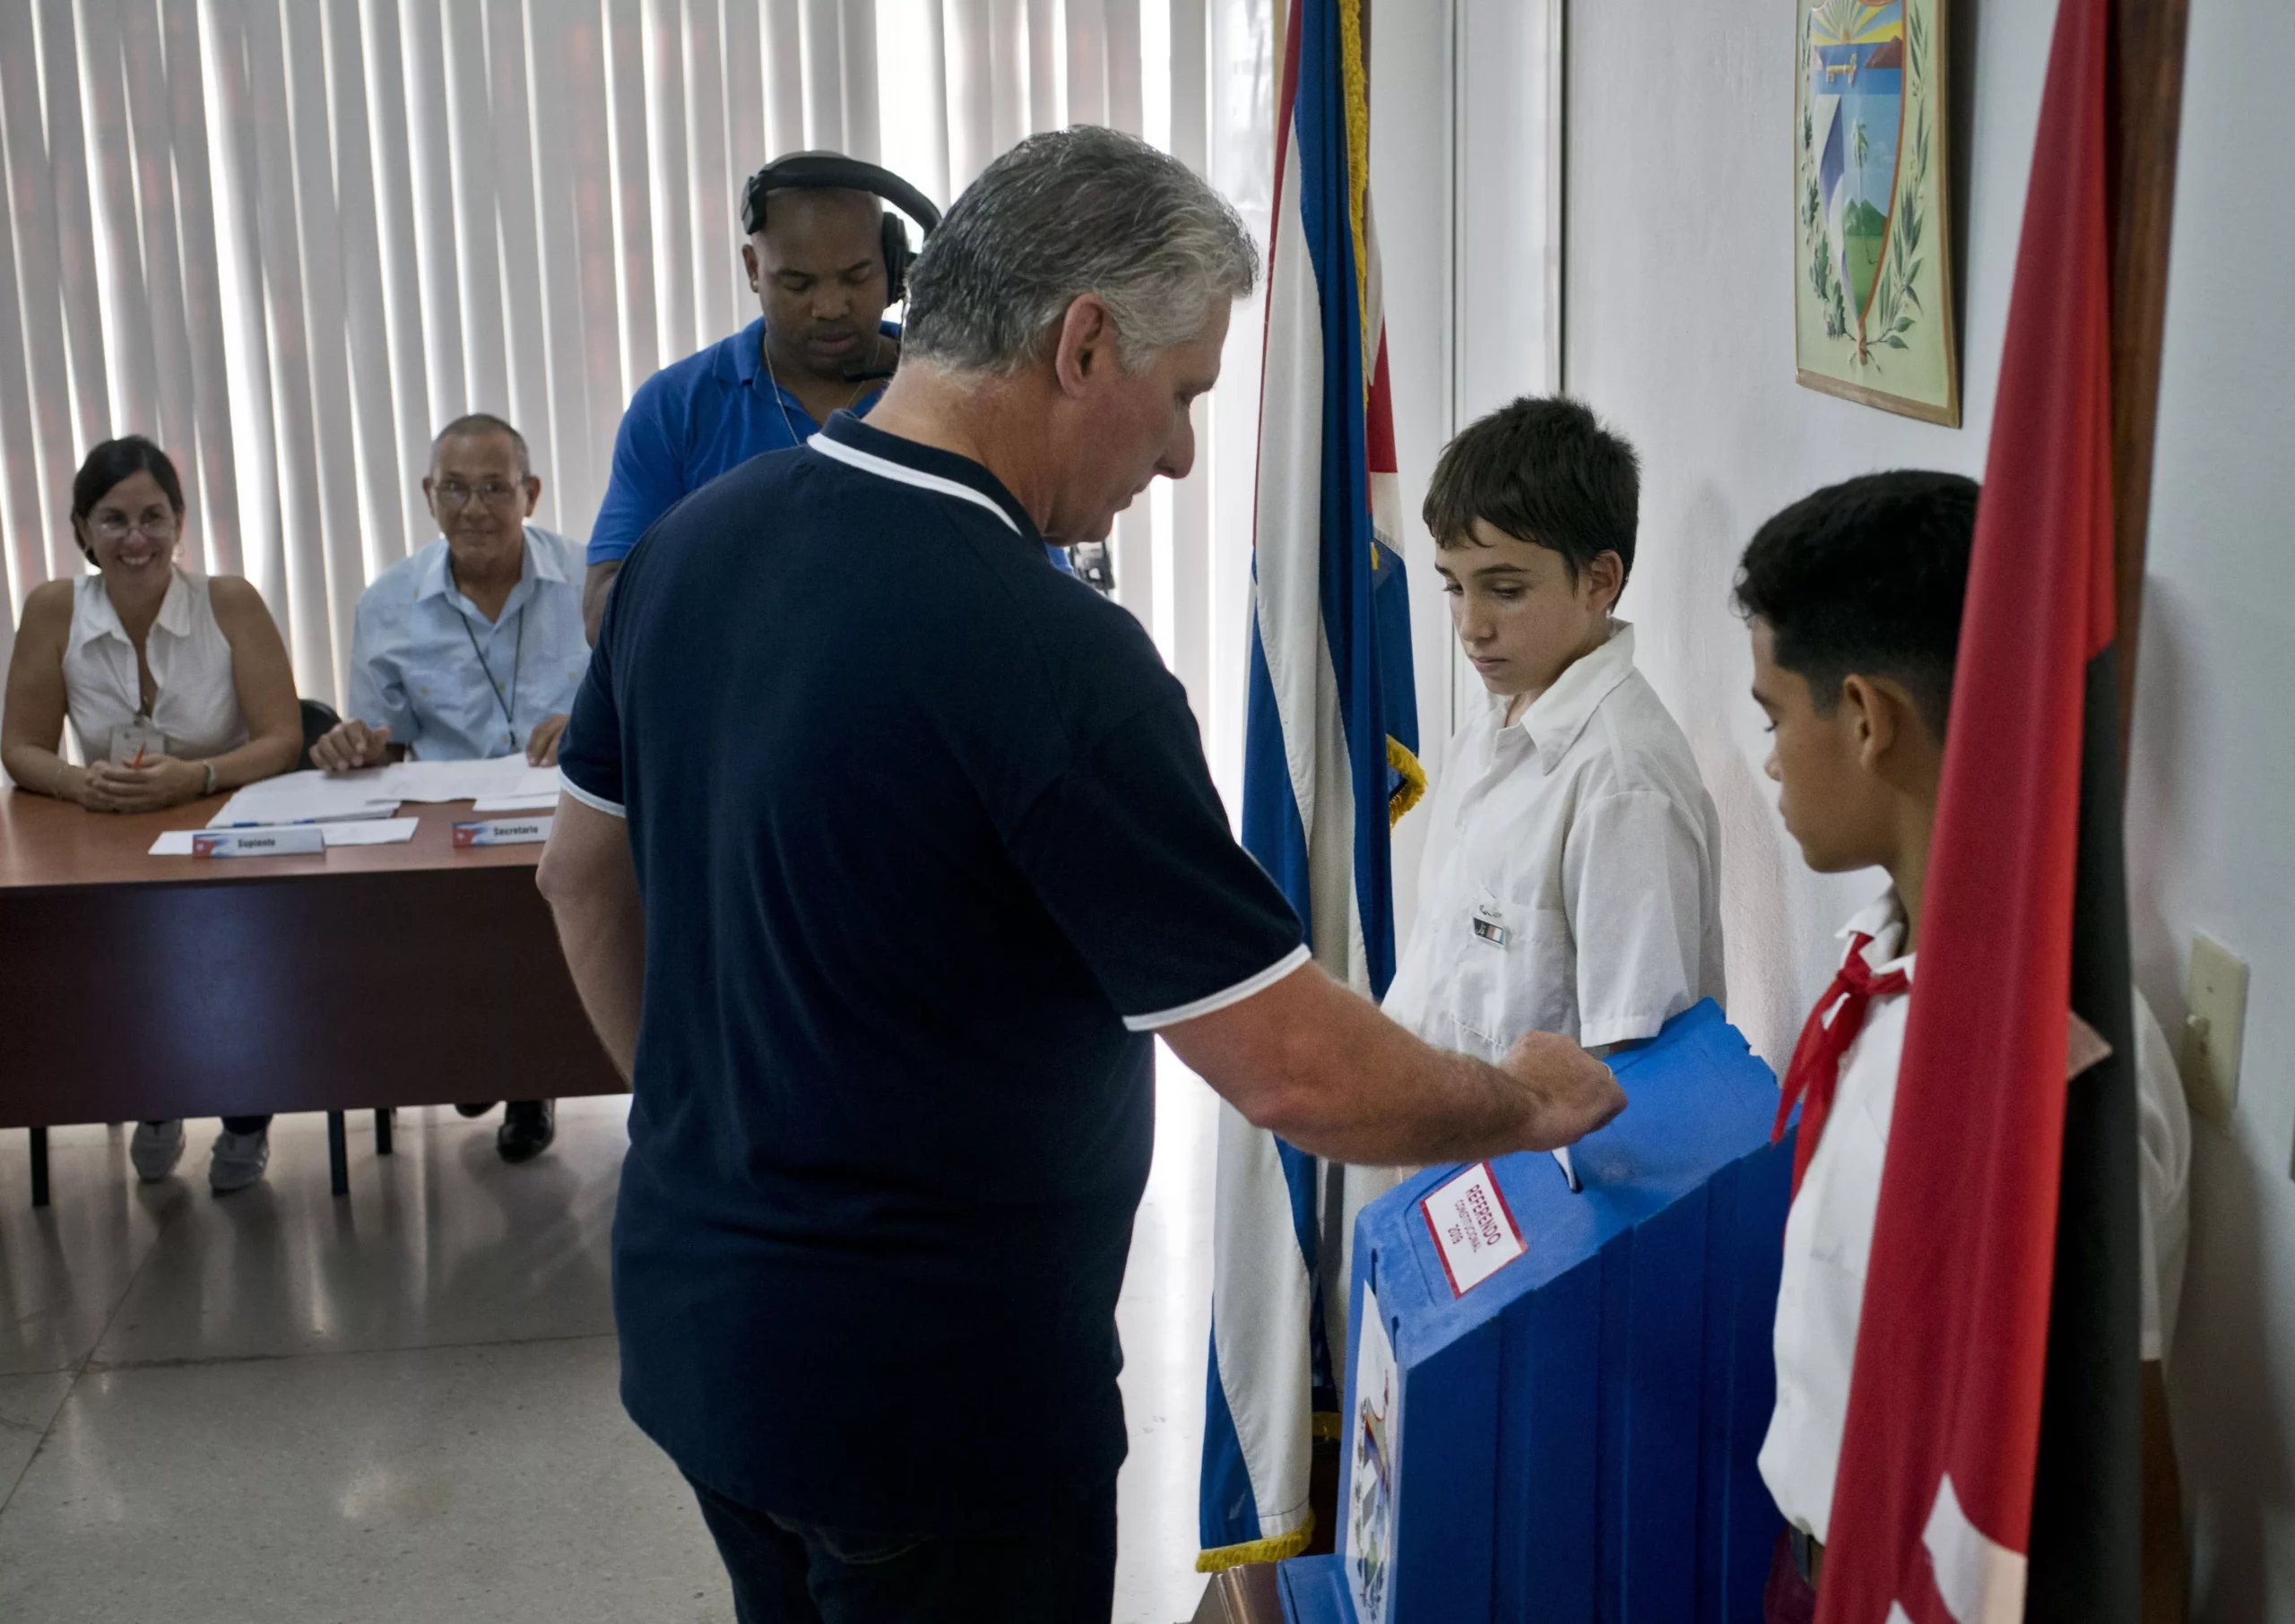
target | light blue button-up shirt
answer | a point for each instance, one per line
(452, 685)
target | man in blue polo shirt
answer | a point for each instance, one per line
(878, 909)
(818, 261)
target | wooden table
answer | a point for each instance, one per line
(138, 988)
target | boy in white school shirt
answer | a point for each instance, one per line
(1853, 596)
(1572, 879)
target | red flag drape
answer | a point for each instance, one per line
(1932, 1508)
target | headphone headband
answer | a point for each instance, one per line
(832, 171)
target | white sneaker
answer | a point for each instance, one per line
(155, 1148)
(239, 1160)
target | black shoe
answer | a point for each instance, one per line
(478, 1110)
(528, 1126)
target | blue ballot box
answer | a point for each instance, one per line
(1556, 1398)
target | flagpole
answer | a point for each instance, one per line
(2144, 114)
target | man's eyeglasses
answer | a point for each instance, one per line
(453, 493)
(115, 526)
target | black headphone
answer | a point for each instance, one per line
(833, 171)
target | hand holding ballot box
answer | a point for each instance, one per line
(1556, 1398)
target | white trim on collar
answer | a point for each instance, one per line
(885, 468)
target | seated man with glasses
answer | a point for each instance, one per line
(473, 647)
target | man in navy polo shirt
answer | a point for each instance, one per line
(882, 851)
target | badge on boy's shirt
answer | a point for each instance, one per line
(1489, 921)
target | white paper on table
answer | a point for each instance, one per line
(381, 831)
(306, 797)
(368, 831)
(448, 780)
(516, 803)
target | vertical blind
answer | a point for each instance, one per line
(289, 238)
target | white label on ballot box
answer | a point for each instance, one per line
(1473, 1229)
(504, 832)
(296, 840)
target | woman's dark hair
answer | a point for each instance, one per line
(122, 459)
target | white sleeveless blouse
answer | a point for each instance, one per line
(198, 704)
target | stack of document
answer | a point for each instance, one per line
(502, 777)
(504, 783)
(308, 798)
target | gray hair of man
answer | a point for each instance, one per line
(472, 423)
(1072, 212)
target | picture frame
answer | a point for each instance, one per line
(1875, 317)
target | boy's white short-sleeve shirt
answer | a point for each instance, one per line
(1572, 880)
(1829, 1231)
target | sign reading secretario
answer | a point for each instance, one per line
(504, 832)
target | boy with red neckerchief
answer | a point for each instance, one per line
(1853, 599)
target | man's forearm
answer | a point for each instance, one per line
(592, 887)
(606, 957)
(1323, 1068)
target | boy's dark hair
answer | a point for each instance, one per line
(1867, 576)
(1542, 470)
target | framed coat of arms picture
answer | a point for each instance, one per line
(1873, 307)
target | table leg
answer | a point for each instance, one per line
(39, 1167)
(382, 1131)
(338, 1156)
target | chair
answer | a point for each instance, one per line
(318, 720)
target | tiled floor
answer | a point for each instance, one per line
(280, 1406)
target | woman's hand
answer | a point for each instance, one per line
(160, 782)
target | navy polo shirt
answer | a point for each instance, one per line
(928, 847)
(690, 422)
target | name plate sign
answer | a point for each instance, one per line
(290, 839)
(1473, 1228)
(504, 832)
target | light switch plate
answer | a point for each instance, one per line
(2215, 998)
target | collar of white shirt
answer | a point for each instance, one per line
(103, 619)
(538, 566)
(1555, 719)
(1883, 919)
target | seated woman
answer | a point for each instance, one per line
(177, 687)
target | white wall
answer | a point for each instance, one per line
(2212, 784)
(1678, 272)
(1678, 330)
(1410, 199)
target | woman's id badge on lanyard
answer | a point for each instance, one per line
(136, 741)
(1489, 923)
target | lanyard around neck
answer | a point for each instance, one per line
(517, 653)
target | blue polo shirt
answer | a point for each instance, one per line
(928, 847)
(690, 422)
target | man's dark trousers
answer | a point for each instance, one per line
(787, 1572)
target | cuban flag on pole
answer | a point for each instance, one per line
(1328, 763)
